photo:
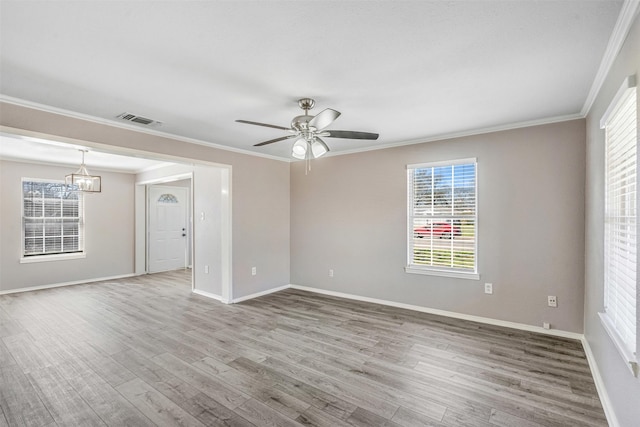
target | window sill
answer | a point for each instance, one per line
(628, 356)
(56, 257)
(442, 273)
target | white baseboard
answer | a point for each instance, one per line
(600, 387)
(486, 320)
(259, 294)
(209, 295)
(58, 285)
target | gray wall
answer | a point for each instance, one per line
(623, 389)
(260, 190)
(349, 214)
(109, 234)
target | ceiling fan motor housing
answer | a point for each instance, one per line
(301, 123)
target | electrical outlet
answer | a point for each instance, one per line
(330, 273)
(254, 271)
(546, 325)
(552, 301)
(206, 269)
(488, 288)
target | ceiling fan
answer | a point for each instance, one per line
(307, 131)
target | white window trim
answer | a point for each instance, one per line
(629, 83)
(28, 259)
(52, 257)
(440, 271)
(631, 358)
(433, 271)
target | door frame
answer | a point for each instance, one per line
(142, 220)
(226, 262)
(187, 217)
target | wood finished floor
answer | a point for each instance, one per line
(145, 351)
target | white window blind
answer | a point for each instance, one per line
(52, 219)
(442, 217)
(621, 220)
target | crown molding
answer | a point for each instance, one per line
(440, 137)
(627, 15)
(72, 114)
(472, 132)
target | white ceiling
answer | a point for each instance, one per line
(409, 70)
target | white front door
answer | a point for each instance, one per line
(167, 228)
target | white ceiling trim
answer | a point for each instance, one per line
(72, 114)
(462, 134)
(113, 123)
(625, 20)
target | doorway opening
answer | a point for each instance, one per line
(208, 250)
(168, 226)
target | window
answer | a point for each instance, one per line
(52, 218)
(621, 221)
(442, 218)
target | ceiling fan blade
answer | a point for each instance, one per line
(262, 124)
(324, 118)
(350, 134)
(271, 141)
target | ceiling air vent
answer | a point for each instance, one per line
(139, 119)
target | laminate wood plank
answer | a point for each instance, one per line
(265, 392)
(363, 418)
(207, 384)
(298, 341)
(408, 418)
(132, 340)
(262, 415)
(503, 419)
(157, 377)
(10, 327)
(19, 400)
(453, 359)
(65, 405)
(155, 406)
(164, 343)
(105, 401)
(147, 347)
(474, 403)
(360, 397)
(260, 340)
(303, 391)
(6, 359)
(26, 353)
(211, 366)
(460, 419)
(211, 413)
(106, 367)
(332, 335)
(317, 418)
(213, 345)
(3, 420)
(439, 391)
(588, 416)
(395, 396)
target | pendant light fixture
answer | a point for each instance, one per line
(83, 180)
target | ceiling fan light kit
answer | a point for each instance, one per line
(318, 148)
(307, 130)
